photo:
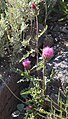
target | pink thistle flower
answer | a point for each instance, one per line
(47, 52)
(33, 6)
(26, 64)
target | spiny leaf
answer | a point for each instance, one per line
(25, 42)
(26, 92)
(29, 91)
(27, 55)
(23, 26)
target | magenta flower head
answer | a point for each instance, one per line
(47, 52)
(26, 64)
(33, 6)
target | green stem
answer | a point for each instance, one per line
(37, 52)
(48, 113)
(44, 79)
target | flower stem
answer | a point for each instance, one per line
(37, 44)
(44, 79)
(37, 39)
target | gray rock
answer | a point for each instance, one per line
(60, 66)
(64, 30)
(60, 78)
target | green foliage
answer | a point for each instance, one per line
(3, 7)
(3, 27)
(34, 97)
(15, 17)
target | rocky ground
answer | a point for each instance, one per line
(59, 64)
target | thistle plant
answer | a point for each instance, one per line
(34, 96)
